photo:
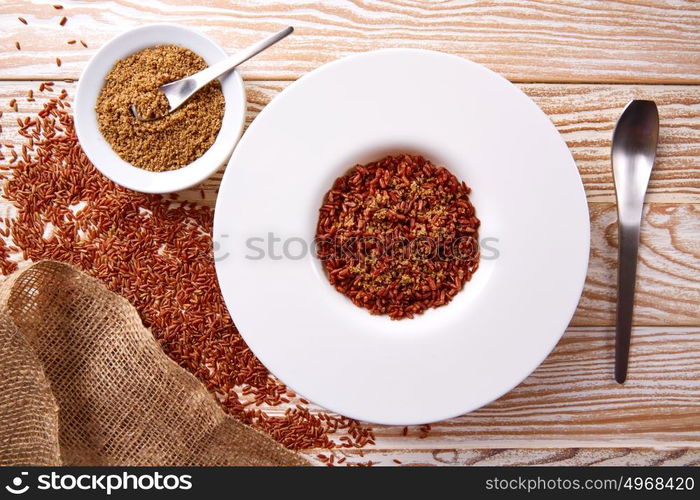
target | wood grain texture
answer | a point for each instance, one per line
(572, 400)
(569, 411)
(668, 290)
(563, 41)
(668, 271)
(573, 411)
(518, 457)
(584, 114)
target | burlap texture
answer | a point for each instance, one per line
(82, 382)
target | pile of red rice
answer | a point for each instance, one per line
(157, 253)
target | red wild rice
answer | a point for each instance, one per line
(424, 431)
(157, 253)
(398, 236)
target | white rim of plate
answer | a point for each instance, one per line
(234, 278)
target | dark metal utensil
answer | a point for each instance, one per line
(633, 155)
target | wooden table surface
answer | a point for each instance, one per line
(581, 61)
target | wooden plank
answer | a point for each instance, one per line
(668, 273)
(516, 457)
(572, 400)
(669, 270)
(584, 114)
(563, 41)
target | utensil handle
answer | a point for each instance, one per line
(216, 70)
(179, 91)
(626, 280)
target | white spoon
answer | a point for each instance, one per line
(179, 91)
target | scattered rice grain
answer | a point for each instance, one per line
(140, 255)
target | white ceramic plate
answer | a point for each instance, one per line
(527, 193)
(101, 153)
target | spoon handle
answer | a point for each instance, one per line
(216, 70)
(179, 91)
(628, 234)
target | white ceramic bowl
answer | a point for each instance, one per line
(98, 149)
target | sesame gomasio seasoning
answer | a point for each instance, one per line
(175, 139)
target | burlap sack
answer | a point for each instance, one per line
(82, 382)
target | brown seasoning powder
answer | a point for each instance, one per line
(176, 139)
